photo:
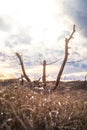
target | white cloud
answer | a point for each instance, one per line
(37, 30)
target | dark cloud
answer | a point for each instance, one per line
(77, 10)
(84, 66)
(4, 26)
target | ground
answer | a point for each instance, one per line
(26, 108)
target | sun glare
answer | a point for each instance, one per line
(41, 16)
(76, 38)
(38, 15)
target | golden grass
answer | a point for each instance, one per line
(24, 109)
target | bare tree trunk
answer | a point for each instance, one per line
(44, 73)
(21, 80)
(22, 66)
(65, 59)
(63, 65)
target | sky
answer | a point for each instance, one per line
(37, 29)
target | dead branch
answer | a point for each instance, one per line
(44, 73)
(65, 58)
(22, 67)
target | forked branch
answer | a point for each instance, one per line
(65, 58)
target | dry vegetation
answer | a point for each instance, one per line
(23, 108)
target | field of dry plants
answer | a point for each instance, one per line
(23, 108)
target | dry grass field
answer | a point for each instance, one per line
(23, 108)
